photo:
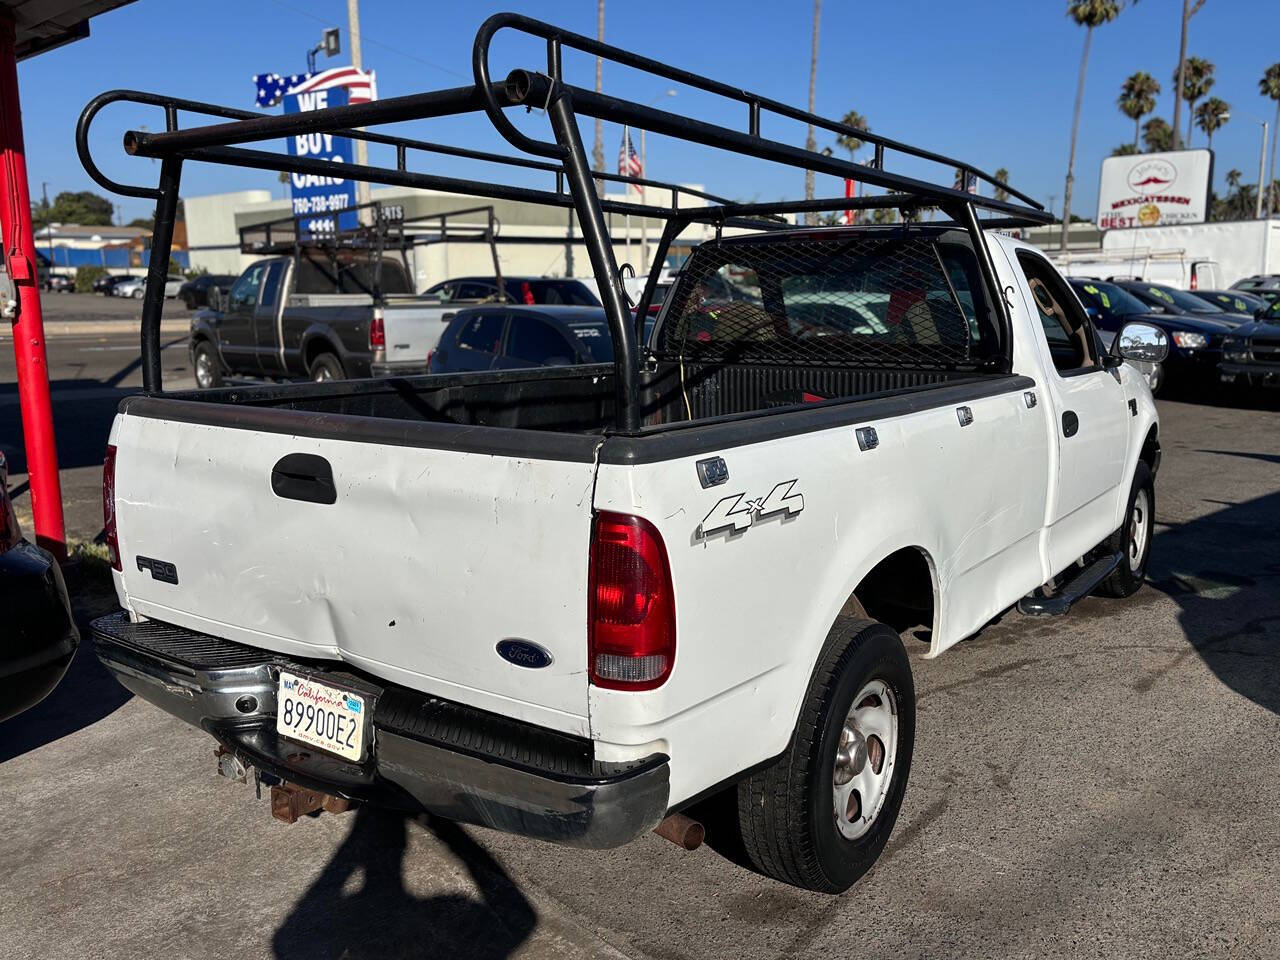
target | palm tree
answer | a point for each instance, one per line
(1124, 150)
(1197, 79)
(1211, 115)
(849, 142)
(809, 143)
(1269, 86)
(1157, 135)
(1138, 98)
(1189, 10)
(1088, 14)
(1000, 193)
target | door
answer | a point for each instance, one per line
(236, 329)
(266, 318)
(1090, 416)
(476, 344)
(535, 342)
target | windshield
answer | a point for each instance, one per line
(1109, 300)
(1186, 302)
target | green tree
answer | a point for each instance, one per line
(1212, 115)
(85, 208)
(1157, 135)
(1197, 80)
(1089, 14)
(885, 215)
(1000, 193)
(1138, 98)
(1269, 86)
(1124, 150)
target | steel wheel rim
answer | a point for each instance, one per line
(321, 374)
(1139, 529)
(204, 369)
(866, 756)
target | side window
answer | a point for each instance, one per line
(244, 295)
(538, 342)
(471, 290)
(481, 332)
(271, 286)
(443, 291)
(1066, 327)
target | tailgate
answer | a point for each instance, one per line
(424, 562)
(413, 327)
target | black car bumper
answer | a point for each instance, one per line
(1250, 374)
(426, 754)
(38, 635)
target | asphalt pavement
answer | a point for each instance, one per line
(1104, 784)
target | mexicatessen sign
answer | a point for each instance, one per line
(1154, 189)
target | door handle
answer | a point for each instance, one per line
(304, 476)
(1070, 423)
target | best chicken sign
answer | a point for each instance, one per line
(1154, 189)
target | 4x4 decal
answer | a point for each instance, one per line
(734, 514)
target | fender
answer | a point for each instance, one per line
(204, 326)
(317, 331)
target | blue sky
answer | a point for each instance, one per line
(987, 81)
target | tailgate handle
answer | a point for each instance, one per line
(304, 476)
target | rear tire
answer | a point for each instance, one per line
(326, 367)
(1133, 539)
(208, 371)
(859, 711)
(137, 294)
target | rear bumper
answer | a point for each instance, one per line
(426, 754)
(38, 635)
(410, 368)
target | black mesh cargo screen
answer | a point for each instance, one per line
(872, 300)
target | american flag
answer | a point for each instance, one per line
(628, 161)
(361, 86)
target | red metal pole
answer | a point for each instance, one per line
(28, 325)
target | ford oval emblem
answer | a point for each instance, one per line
(524, 654)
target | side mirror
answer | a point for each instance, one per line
(1141, 342)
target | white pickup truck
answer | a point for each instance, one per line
(571, 602)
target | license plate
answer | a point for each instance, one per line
(320, 716)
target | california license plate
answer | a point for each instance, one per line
(321, 716)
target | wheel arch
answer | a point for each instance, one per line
(317, 340)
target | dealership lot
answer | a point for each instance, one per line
(1103, 783)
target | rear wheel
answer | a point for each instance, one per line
(137, 293)
(326, 367)
(820, 815)
(207, 369)
(1133, 539)
(190, 300)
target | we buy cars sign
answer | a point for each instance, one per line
(1154, 189)
(319, 202)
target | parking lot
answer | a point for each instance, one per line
(1101, 784)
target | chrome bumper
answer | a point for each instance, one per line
(229, 690)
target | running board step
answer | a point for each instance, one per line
(1083, 584)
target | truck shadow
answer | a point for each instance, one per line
(1223, 571)
(359, 907)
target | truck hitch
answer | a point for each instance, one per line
(290, 802)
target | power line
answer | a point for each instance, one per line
(377, 43)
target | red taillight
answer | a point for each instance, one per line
(632, 642)
(377, 330)
(526, 293)
(430, 353)
(1195, 281)
(109, 506)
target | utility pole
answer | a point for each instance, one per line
(1262, 170)
(48, 217)
(1188, 11)
(362, 148)
(597, 151)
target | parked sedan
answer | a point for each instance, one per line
(38, 635)
(1195, 342)
(1170, 300)
(60, 283)
(509, 337)
(1233, 301)
(107, 282)
(202, 291)
(136, 287)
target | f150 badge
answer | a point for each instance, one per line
(735, 513)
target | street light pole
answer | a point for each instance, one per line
(362, 148)
(1262, 171)
(644, 172)
(48, 222)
